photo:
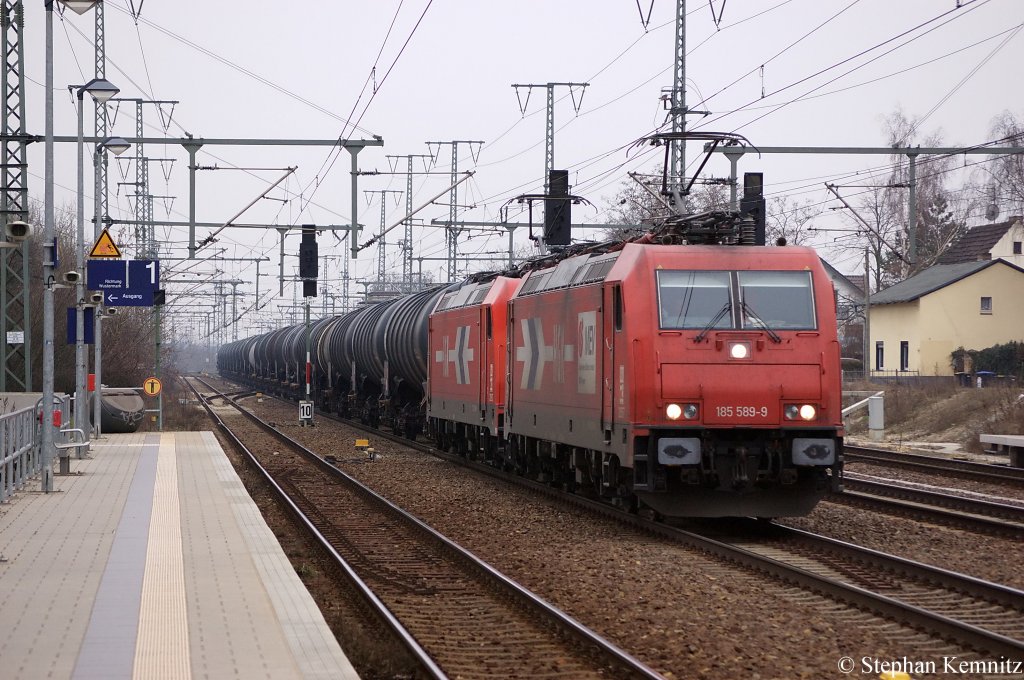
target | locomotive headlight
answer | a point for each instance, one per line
(800, 412)
(690, 411)
(739, 350)
(673, 411)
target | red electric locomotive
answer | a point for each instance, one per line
(466, 365)
(699, 380)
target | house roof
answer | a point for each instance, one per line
(838, 276)
(977, 243)
(857, 280)
(931, 280)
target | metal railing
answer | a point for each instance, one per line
(20, 435)
(875, 404)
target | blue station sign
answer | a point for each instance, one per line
(122, 274)
(124, 283)
(128, 297)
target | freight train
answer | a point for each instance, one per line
(692, 380)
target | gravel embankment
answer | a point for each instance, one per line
(679, 611)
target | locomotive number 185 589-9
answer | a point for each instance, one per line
(741, 411)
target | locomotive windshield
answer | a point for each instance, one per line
(693, 299)
(783, 300)
(773, 300)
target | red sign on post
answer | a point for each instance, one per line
(91, 383)
(56, 417)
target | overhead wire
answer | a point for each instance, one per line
(968, 6)
(967, 77)
(778, 54)
(592, 180)
(233, 65)
(333, 157)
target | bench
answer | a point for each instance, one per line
(1012, 444)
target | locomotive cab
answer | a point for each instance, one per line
(737, 390)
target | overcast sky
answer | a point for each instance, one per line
(413, 71)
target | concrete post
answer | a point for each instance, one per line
(876, 417)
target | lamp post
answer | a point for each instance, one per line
(49, 252)
(46, 437)
(118, 146)
(101, 90)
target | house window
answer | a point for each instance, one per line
(986, 305)
(904, 355)
(1016, 248)
(879, 355)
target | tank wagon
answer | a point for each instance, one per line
(121, 409)
(694, 380)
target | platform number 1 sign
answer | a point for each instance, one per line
(305, 412)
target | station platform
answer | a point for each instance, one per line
(151, 561)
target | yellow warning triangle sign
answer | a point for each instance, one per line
(105, 247)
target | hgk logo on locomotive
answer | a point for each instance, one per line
(586, 331)
(535, 353)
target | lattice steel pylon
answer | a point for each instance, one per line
(677, 159)
(102, 193)
(452, 231)
(15, 331)
(407, 247)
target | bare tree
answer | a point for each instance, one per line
(884, 207)
(638, 205)
(790, 219)
(1005, 174)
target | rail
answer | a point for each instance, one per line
(987, 472)
(567, 625)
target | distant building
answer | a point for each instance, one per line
(849, 310)
(917, 323)
(989, 242)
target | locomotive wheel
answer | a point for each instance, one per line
(514, 456)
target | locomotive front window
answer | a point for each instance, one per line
(778, 300)
(693, 299)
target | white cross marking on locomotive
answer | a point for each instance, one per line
(535, 354)
(460, 355)
(565, 354)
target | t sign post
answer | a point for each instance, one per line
(152, 387)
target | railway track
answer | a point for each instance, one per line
(458, 616)
(973, 613)
(998, 474)
(999, 519)
(991, 617)
(982, 615)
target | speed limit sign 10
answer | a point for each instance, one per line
(305, 411)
